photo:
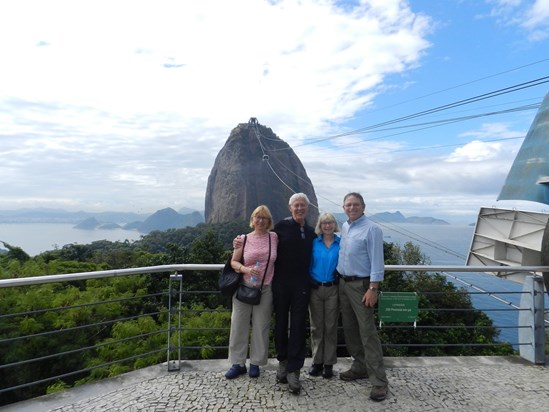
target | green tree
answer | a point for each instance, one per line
(447, 316)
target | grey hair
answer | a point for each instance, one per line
(297, 196)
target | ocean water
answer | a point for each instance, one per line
(35, 238)
(443, 244)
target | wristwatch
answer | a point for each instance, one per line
(374, 289)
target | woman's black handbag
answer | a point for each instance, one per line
(248, 294)
(230, 278)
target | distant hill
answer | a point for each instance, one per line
(46, 215)
(389, 217)
(397, 217)
(90, 223)
(160, 220)
(168, 219)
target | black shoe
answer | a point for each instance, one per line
(315, 369)
(328, 371)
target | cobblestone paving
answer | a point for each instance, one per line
(505, 386)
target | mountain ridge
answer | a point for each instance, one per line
(162, 219)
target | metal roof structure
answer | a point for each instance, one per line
(528, 178)
(509, 237)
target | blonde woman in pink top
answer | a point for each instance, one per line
(256, 256)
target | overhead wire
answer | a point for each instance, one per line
(431, 125)
(402, 231)
(514, 69)
(484, 96)
(436, 123)
(266, 159)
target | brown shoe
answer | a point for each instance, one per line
(378, 393)
(351, 375)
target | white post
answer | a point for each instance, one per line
(531, 320)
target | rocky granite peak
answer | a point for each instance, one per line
(255, 167)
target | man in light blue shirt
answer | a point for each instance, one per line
(361, 268)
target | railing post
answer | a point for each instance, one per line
(531, 320)
(174, 365)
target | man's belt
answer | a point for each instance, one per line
(335, 282)
(351, 278)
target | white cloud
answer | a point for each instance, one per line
(537, 20)
(128, 102)
(476, 151)
(530, 15)
(493, 130)
(124, 105)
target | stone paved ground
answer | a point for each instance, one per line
(416, 384)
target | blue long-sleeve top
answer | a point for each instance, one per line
(324, 259)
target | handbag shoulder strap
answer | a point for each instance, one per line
(243, 244)
(268, 260)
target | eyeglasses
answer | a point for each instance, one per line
(264, 218)
(302, 232)
(327, 223)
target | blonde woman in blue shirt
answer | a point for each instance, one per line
(324, 301)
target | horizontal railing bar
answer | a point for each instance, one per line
(419, 345)
(25, 385)
(457, 292)
(34, 312)
(391, 326)
(35, 280)
(53, 332)
(70, 352)
(471, 310)
(506, 292)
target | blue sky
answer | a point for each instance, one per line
(124, 105)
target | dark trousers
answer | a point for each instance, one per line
(291, 304)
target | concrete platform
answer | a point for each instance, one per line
(415, 384)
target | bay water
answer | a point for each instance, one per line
(35, 238)
(443, 244)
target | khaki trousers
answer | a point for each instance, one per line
(360, 331)
(260, 317)
(324, 313)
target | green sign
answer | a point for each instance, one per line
(398, 306)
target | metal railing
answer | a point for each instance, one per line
(166, 308)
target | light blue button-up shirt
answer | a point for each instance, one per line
(361, 250)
